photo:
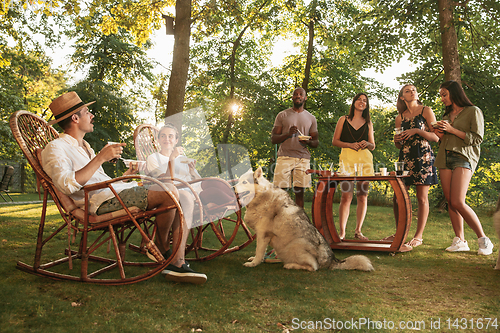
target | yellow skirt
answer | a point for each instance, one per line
(348, 157)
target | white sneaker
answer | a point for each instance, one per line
(485, 246)
(458, 245)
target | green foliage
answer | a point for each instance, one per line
(385, 29)
(112, 58)
(229, 67)
(334, 76)
(27, 81)
(231, 47)
(385, 152)
(114, 119)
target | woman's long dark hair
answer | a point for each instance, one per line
(457, 95)
(366, 111)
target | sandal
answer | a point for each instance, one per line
(360, 236)
(415, 242)
(389, 238)
(405, 248)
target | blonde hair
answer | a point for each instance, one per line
(400, 104)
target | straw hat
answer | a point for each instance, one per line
(65, 105)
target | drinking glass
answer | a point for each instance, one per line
(399, 166)
(114, 160)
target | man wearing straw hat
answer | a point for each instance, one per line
(71, 163)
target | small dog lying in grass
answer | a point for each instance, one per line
(279, 222)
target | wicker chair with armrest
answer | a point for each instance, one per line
(97, 262)
(221, 220)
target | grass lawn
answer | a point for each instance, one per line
(427, 289)
(19, 197)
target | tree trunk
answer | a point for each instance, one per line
(232, 71)
(449, 41)
(310, 46)
(180, 59)
(232, 74)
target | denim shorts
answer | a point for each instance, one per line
(456, 160)
(136, 196)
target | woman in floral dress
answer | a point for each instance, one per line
(416, 151)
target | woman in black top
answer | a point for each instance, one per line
(354, 134)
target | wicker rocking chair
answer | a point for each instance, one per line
(103, 239)
(219, 223)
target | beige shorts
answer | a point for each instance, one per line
(288, 167)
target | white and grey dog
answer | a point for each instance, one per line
(496, 224)
(279, 222)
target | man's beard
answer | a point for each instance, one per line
(298, 105)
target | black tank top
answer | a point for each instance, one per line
(351, 135)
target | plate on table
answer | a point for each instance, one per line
(345, 174)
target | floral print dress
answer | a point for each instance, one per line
(417, 154)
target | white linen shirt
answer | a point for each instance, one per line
(62, 157)
(157, 164)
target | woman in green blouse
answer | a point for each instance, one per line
(461, 132)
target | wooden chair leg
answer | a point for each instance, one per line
(41, 227)
(117, 252)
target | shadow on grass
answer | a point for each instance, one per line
(420, 286)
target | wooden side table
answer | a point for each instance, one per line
(322, 213)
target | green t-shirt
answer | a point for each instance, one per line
(471, 121)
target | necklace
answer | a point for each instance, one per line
(410, 114)
(350, 132)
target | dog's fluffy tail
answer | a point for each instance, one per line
(358, 262)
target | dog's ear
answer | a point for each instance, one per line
(258, 173)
